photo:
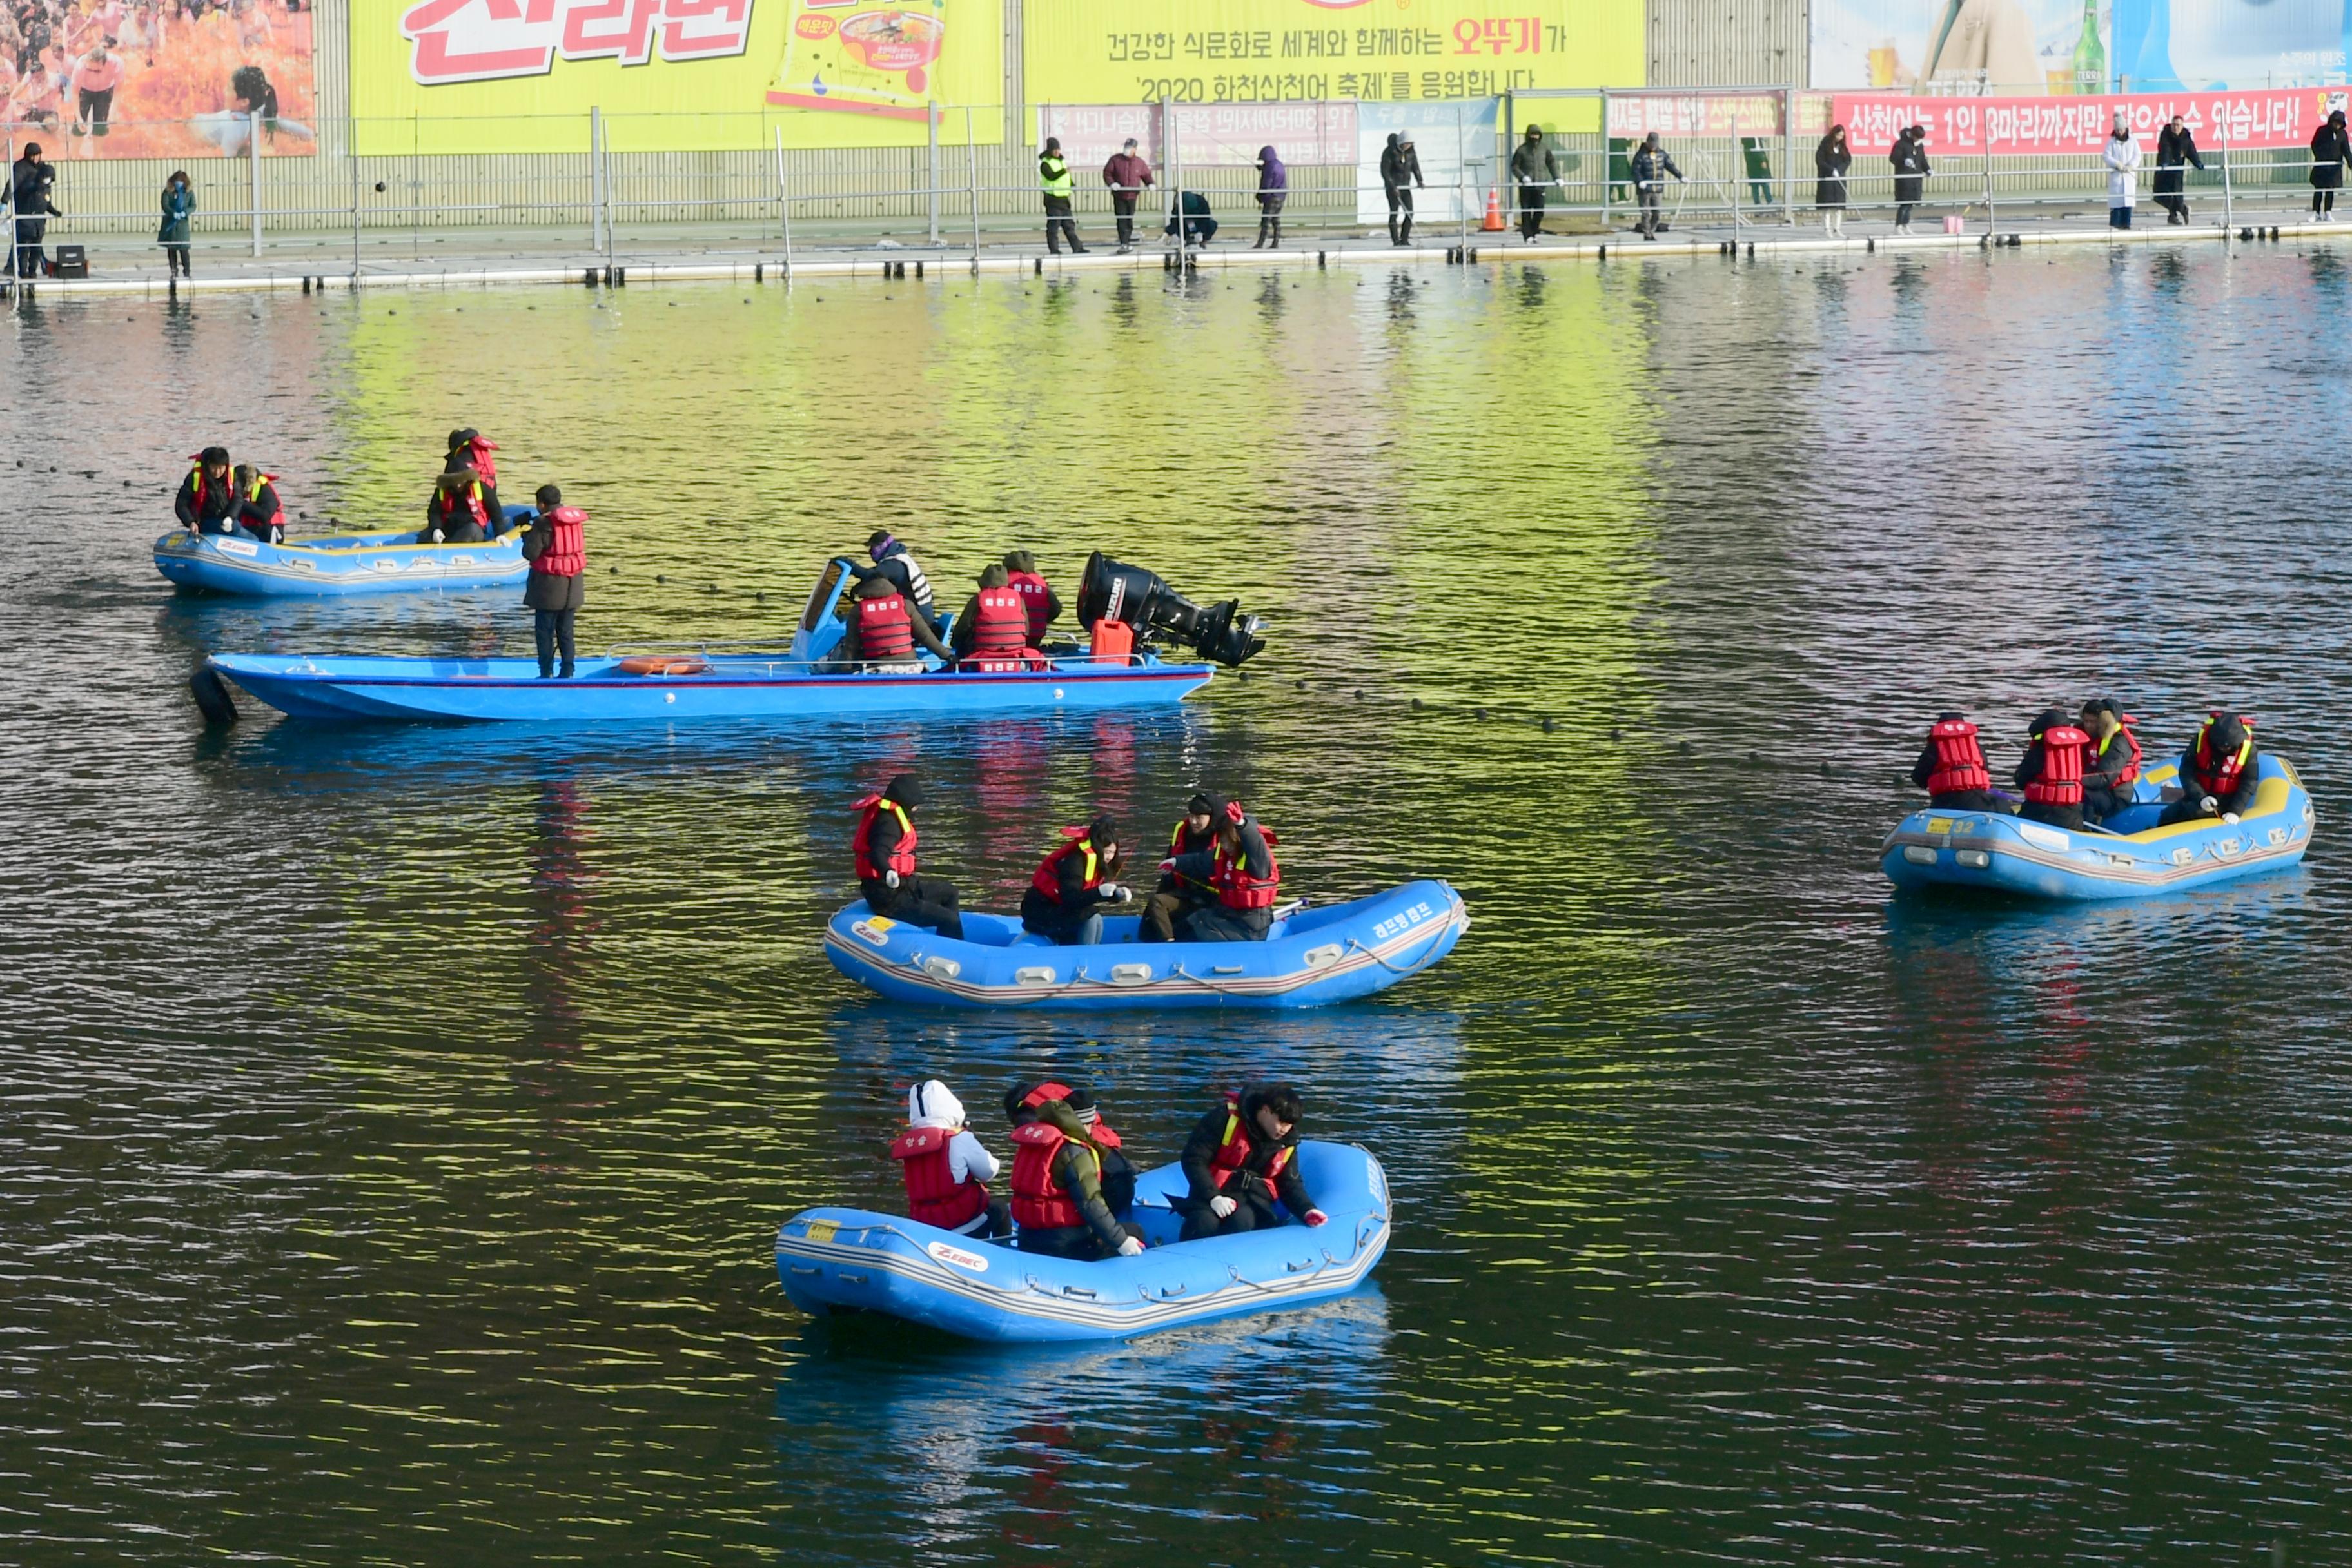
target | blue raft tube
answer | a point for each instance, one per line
(2127, 856)
(845, 1260)
(336, 565)
(1311, 956)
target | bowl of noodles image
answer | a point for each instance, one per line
(895, 41)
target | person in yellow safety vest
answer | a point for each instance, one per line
(1178, 897)
(1054, 176)
(1241, 1158)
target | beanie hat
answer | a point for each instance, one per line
(1200, 806)
(904, 788)
(1081, 1102)
(931, 1104)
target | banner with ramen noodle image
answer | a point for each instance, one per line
(154, 79)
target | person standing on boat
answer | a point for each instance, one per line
(207, 499)
(555, 544)
(883, 852)
(1178, 897)
(2112, 764)
(256, 509)
(1241, 1157)
(468, 449)
(1242, 876)
(2051, 772)
(1952, 769)
(2219, 772)
(1066, 897)
(946, 1168)
(992, 632)
(1044, 606)
(883, 632)
(1057, 1198)
(896, 565)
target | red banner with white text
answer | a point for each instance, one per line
(2256, 120)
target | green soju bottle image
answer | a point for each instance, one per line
(2089, 56)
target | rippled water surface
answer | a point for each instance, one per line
(397, 1122)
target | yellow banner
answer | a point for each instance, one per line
(520, 76)
(1232, 51)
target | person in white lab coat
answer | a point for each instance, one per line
(2122, 159)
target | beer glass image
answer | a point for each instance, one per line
(861, 59)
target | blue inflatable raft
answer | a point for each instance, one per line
(835, 1259)
(339, 564)
(2128, 857)
(1311, 957)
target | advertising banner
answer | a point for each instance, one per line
(1635, 115)
(1229, 51)
(2019, 47)
(110, 80)
(2248, 121)
(1208, 135)
(2172, 44)
(1455, 143)
(520, 76)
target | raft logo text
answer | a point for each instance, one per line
(486, 40)
(1395, 924)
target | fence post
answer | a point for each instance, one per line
(1510, 145)
(1461, 173)
(611, 205)
(1604, 160)
(1738, 170)
(932, 115)
(596, 179)
(785, 203)
(1789, 156)
(2229, 206)
(971, 155)
(351, 154)
(1175, 177)
(253, 172)
(1988, 182)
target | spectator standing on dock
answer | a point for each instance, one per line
(1649, 168)
(1054, 175)
(2330, 151)
(1534, 171)
(2122, 158)
(31, 179)
(1128, 177)
(1399, 173)
(2176, 150)
(179, 210)
(1831, 159)
(1273, 190)
(1909, 157)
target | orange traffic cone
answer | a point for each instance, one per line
(1493, 224)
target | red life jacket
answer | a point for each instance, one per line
(1959, 761)
(1039, 1202)
(902, 858)
(566, 555)
(2218, 776)
(447, 504)
(2060, 782)
(261, 481)
(197, 473)
(1049, 1089)
(2131, 770)
(933, 1194)
(1235, 1151)
(1048, 880)
(478, 458)
(883, 630)
(1237, 888)
(1000, 632)
(1034, 594)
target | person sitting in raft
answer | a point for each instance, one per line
(883, 633)
(2112, 764)
(256, 509)
(883, 851)
(1241, 1157)
(1118, 1171)
(1066, 897)
(1022, 1100)
(459, 511)
(1177, 897)
(992, 632)
(1044, 606)
(1241, 875)
(1952, 770)
(2051, 773)
(895, 565)
(1057, 1198)
(207, 499)
(2218, 771)
(468, 449)
(947, 1167)
(556, 544)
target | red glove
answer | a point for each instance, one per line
(1169, 866)
(1314, 1217)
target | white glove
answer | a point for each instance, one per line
(1125, 893)
(1109, 890)
(889, 878)
(1222, 1207)
(1130, 1248)
(2207, 806)
(2231, 817)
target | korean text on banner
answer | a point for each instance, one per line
(495, 76)
(1226, 51)
(1455, 143)
(1208, 135)
(2268, 119)
(1634, 115)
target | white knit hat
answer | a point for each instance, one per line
(929, 1104)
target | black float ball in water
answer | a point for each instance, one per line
(1416, 704)
(1482, 712)
(212, 696)
(659, 578)
(1616, 734)
(1547, 724)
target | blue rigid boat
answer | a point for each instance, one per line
(2127, 856)
(1311, 957)
(339, 564)
(836, 1259)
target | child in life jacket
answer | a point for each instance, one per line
(947, 1169)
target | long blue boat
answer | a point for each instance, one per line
(837, 1259)
(1311, 957)
(2127, 856)
(339, 564)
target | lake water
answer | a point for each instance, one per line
(396, 1122)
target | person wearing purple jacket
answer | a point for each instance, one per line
(1128, 175)
(1273, 188)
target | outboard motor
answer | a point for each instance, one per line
(1113, 591)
